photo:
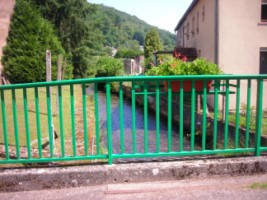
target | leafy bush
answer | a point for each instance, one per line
(108, 66)
(29, 38)
(128, 53)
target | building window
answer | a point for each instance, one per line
(184, 35)
(264, 11)
(263, 60)
(199, 53)
(197, 22)
(193, 27)
(187, 31)
(203, 13)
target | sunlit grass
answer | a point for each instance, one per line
(31, 110)
(259, 186)
(243, 120)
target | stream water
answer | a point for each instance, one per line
(128, 146)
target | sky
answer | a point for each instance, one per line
(164, 14)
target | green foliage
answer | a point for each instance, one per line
(76, 28)
(72, 20)
(178, 67)
(259, 186)
(29, 38)
(128, 53)
(108, 66)
(152, 42)
(82, 59)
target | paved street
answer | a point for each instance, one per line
(237, 187)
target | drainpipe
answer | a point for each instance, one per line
(216, 46)
(216, 38)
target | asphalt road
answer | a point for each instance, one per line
(237, 187)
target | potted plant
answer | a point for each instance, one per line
(174, 66)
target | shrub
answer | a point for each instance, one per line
(108, 66)
(128, 53)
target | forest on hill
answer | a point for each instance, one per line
(122, 29)
(83, 33)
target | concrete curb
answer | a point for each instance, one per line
(62, 177)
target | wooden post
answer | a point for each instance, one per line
(59, 74)
(59, 67)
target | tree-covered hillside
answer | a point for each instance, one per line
(122, 29)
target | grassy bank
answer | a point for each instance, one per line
(66, 105)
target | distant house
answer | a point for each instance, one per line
(134, 66)
(232, 33)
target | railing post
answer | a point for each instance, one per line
(109, 136)
(258, 117)
(4, 122)
(96, 118)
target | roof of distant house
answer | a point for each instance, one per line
(185, 14)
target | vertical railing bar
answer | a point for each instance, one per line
(122, 139)
(26, 118)
(169, 116)
(226, 121)
(157, 118)
(181, 117)
(216, 112)
(204, 117)
(259, 116)
(15, 120)
(38, 123)
(96, 118)
(145, 119)
(85, 127)
(193, 105)
(61, 123)
(73, 133)
(49, 122)
(133, 119)
(248, 115)
(109, 128)
(237, 114)
(3, 108)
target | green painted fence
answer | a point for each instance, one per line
(26, 126)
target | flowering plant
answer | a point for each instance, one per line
(174, 66)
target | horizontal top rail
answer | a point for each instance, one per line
(132, 78)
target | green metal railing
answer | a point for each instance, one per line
(33, 129)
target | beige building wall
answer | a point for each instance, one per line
(241, 35)
(6, 10)
(201, 29)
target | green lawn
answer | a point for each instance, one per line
(43, 114)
